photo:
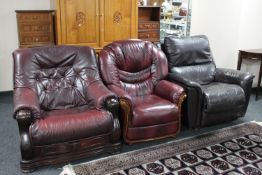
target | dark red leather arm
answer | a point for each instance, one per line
(26, 99)
(169, 91)
(120, 92)
(99, 93)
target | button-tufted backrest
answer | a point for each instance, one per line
(58, 74)
(133, 65)
(191, 57)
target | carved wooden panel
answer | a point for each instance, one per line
(118, 20)
(35, 28)
(95, 23)
(79, 22)
(117, 17)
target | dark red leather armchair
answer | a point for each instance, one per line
(150, 106)
(64, 111)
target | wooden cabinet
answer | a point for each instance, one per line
(35, 27)
(95, 23)
(149, 23)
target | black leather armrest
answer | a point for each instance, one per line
(193, 101)
(183, 81)
(233, 76)
(243, 79)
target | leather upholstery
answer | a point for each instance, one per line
(135, 70)
(212, 92)
(135, 67)
(216, 96)
(60, 78)
(163, 111)
(70, 124)
(190, 51)
(59, 100)
(152, 132)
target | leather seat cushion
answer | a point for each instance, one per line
(70, 124)
(152, 132)
(221, 96)
(153, 110)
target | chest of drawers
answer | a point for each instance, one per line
(149, 23)
(35, 27)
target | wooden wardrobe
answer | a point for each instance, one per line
(95, 23)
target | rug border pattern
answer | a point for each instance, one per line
(125, 160)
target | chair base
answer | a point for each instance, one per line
(66, 152)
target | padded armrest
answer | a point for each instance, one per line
(183, 81)
(120, 93)
(170, 91)
(26, 99)
(100, 94)
(194, 99)
(232, 76)
(125, 102)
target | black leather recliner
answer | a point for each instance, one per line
(214, 95)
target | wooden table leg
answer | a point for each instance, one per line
(259, 79)
(239, 62)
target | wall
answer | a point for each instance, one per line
(250, 33)
(230, 25)
(8, 35)
(220, 21)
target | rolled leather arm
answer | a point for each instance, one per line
(112, 105)
(184, 82)
(98, 92)
(125, 104)
(26, 99)
(170, 91)
(233, 76)
(194, 99)
(120, 93)
(243, 79)
(24, 120)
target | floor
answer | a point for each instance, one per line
(9, 148)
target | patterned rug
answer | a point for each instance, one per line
(233, 151)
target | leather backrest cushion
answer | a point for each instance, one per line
(59, 74)
(133, 65)
(202, 74)
(187, 50)
(190, 57)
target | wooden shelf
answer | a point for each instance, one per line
(149, 23)
(149, 6)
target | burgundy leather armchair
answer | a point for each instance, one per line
(64, 111)
(150, 106)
